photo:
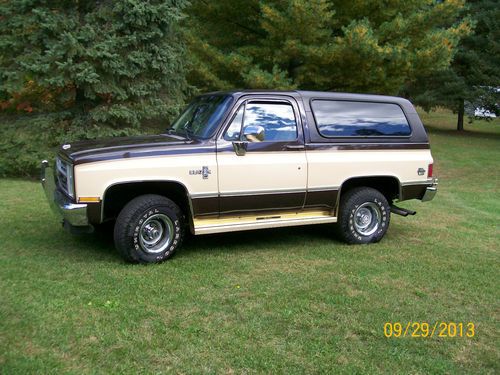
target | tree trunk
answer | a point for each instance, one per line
(80, 98)
(460, 120)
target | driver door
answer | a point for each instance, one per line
(261, 158)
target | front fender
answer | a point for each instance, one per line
(93, 179)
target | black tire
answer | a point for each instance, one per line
(360, 205)
(144, 220)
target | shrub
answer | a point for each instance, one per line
(28, 139)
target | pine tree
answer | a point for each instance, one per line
(473, 75)
(103, 63)
(357, 46)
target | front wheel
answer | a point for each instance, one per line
(149, 229)
(364, 216)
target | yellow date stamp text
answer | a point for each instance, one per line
(428, 330)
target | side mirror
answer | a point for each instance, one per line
(254, 133)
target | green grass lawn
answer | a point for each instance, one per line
(292, 300)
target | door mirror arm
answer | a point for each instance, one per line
(240, 147)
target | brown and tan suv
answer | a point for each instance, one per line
(248, 160)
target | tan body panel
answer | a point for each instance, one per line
(255, 173)
(262, 172)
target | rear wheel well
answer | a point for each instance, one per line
(117, 196)
(388, 185)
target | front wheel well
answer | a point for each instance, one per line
(117, 196)
(389, 186)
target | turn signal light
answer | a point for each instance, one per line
(89, 199)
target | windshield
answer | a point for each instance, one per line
(202, 116)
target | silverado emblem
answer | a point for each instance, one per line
(204, 171)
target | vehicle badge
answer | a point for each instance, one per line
(204, 171)
(66, 146)
(421, 171)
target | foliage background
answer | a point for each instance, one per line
(353, 46)
(82, 69)
(472, 76)
(78, 69)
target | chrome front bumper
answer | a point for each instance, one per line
(431, 191)
(71, 213)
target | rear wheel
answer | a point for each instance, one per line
(364, 216)
(149, 229)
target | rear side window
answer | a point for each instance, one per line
(339, 118)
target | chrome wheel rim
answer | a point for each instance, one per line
(367, 218)
(156, 233)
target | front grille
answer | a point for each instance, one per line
(63, 176)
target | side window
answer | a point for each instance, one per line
(338, 118)
(233, 132)
(277, 120)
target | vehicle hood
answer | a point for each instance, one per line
(126, 147)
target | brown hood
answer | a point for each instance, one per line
(126, 147)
